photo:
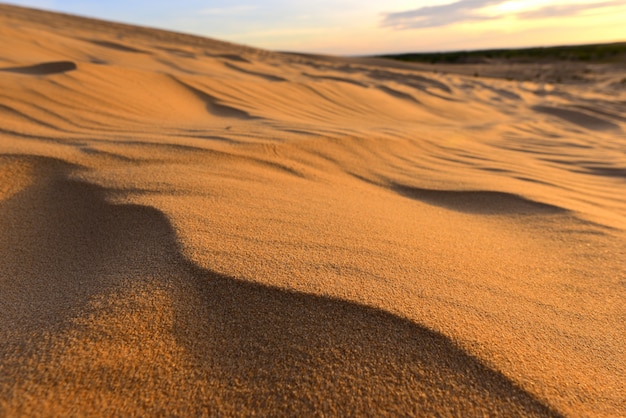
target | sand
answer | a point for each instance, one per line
(190, 227)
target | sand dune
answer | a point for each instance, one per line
(192, 227)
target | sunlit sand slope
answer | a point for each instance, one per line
(193, 227)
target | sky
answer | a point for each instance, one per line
(367, 27)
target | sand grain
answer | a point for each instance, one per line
(192, 227)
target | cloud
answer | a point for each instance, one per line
(433, 16)
(478, 10)
(563, 10)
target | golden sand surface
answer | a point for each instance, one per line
(190, 227)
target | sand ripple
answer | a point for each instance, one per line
(191, 227)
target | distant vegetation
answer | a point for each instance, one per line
(587, 53)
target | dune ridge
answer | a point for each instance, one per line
(194, 227)
(254, 349)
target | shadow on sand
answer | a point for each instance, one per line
(273, 351)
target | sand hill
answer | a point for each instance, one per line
(190, 227)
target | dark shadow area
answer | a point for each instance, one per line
(268, 77)
(230, 57)
(213, 105)
(500, 92)
(116, 46)
(177, 51)
(45, 68)
(478, 202)
(617, 172)
(594, 106)
(262, 350)
(307, 355)
(58, 242)
(334, 78)
(581, 119)
(413, 80)
(398, 94)
(174, 66)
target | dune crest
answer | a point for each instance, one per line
(252, 348)
(192, 227)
